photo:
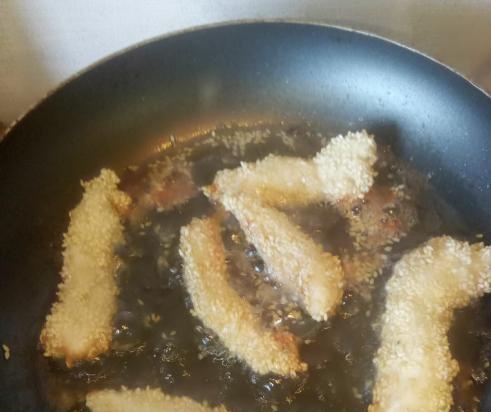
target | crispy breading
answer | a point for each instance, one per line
(224, 311)
(143, 400)
(79, 325)
(341, 170)
(345, 166)
(312, 276)
(414, 364)
(276, 180)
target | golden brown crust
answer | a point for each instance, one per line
(276, 180)
(345, 166)
(415, 368)
(293, 260)
(221, 309)
(143, 400)
(341, 173)
(79, 325)
(341, 170)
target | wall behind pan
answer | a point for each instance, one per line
(43, 42)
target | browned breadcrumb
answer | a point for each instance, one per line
(223, 310)
(143, 400)
(293, 260)
(276, 180)
(341, 173)
(345, 165)
(79, 325)
(342, 169)
(415, 368)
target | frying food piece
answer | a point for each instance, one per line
(223, 310)
(415, 368)
(340, 173)
(345, 166)
(143, 400)
(79, 325)
(341, 170)
(293, 260)
(276, 180)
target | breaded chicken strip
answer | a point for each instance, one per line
(223, 310)
(345, 166)
(341, 170)
(276, 180)
(293, 260)
(415, 368)
(143, 400)
(79, 326)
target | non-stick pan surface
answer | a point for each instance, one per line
(119, 111)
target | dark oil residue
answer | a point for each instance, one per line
(158, 343)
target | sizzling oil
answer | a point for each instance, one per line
(158, 343)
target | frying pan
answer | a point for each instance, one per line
(119, 111)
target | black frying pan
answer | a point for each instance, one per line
(118, 111)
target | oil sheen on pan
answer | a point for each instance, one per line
(276, 225)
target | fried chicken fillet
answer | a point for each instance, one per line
(341, 170)
(293, 260)
(79, 325)
(415, 368)
(224, 311)
(143, 400)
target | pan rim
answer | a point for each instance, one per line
(231, 23)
